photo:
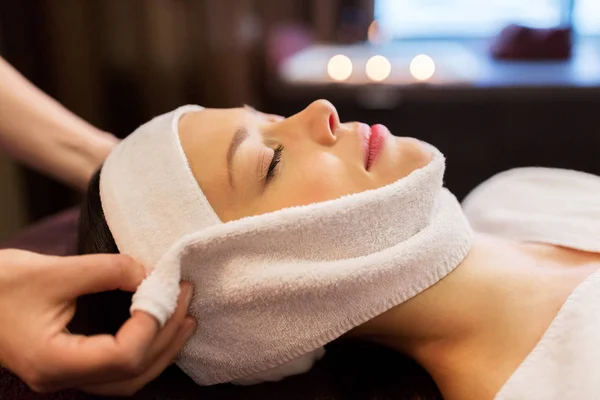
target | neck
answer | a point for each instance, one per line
(484, 317)
(435, 314)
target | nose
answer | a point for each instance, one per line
(321, 120)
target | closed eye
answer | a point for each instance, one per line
(274, 162)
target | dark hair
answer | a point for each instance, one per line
(99, 312)
(351, 369)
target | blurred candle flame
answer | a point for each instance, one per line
(422, 67)
(378, 68)
(339, 67)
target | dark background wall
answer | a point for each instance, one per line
(118, 63)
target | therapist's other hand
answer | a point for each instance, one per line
(37, 300)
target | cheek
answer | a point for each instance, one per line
(316, 179)
(323, 177)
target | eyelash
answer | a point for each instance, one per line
(274, 161)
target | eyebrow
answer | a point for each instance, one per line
(238, 138)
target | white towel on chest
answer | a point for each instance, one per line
(559, 207)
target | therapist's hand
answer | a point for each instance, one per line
(37, 300)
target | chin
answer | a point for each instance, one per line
(416, 151)
(403, 157)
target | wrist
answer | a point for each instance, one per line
(97, 147)
(90, 151)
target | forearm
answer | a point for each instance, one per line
(40, 132)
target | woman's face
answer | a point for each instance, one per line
(249, 163)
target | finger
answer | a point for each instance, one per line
(97, 273)
(173, 325)
(83, 359)
(162, 341)
(131, 386)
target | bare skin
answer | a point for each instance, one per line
(472, 329)
(38, 131)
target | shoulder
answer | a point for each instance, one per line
(536, 181)
(535, 199)
(522, 188)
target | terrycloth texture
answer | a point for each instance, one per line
(149, 195)
(296, 366)
(559, 207)
(151, 199)
(271, 290)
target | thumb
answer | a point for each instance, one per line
(96, 273)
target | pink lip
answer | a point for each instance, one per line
(374, 144)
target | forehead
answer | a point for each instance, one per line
(211, 124)
(205, 136)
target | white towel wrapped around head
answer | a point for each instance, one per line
(271, 290)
